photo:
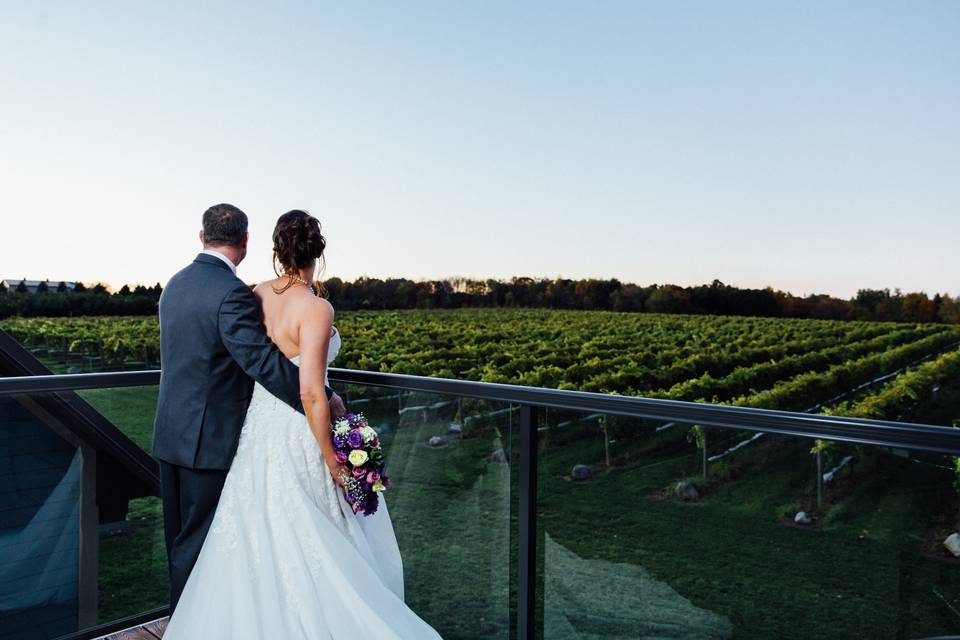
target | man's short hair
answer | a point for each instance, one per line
(224, 224)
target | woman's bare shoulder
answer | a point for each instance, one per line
(265, 287)
(310, 307)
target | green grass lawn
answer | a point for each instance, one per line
(131, 409)
(617, 559)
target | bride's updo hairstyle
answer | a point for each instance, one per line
(297, 242)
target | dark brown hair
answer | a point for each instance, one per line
(297, 242)
(224, 224)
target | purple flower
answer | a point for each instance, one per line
(341, 456)
(373, 476)
(339, 442)
(359, 471)
(354, 439)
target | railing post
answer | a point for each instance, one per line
(88, 540)
(527, 522)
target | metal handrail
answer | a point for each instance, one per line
(75, 381)
(904, 435)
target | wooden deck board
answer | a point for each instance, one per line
(132, 634)
(157, 627)
(150, 631)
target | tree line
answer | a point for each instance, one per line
(56, 300)
(715, 298)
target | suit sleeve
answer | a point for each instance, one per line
(244, 337)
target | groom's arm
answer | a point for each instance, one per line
(242, 334)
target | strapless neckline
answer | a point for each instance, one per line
(334, 349)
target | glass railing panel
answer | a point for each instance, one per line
(449, 459)
(646, 528)
(47, 559)
(81, 538)
(133, 558)
(81, 535)
(133, 562)
(653, 529)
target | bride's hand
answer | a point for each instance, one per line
(340, 472)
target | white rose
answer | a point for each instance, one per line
(368, 434)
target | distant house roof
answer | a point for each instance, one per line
(33, 285)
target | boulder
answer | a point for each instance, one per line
(952, 543)
(581, 472)
(803, 517)
(687, 491)
(436, 441)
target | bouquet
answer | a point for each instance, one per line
(357, 445)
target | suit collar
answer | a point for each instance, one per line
(213, 260)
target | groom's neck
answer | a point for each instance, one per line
(233, 254)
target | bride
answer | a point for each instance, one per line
(286, 557)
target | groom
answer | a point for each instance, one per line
(212, 348)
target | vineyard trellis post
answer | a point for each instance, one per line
(698, 434)
(606, 440)
(703, 433)
(819, 447)
(819, 478)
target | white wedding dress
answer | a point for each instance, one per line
(286, 557)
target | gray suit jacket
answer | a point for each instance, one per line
(212, 348)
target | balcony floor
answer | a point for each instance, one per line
(150, 631)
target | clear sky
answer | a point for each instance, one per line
(810, 146)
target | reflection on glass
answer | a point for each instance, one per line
(693, 532)
(47, 562)
(80, 529)
(450, 502)
(646, 529)
(133, 563)
(130, 409)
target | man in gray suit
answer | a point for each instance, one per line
(212, 348)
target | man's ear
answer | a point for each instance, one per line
(202, 241)
(246, 237)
